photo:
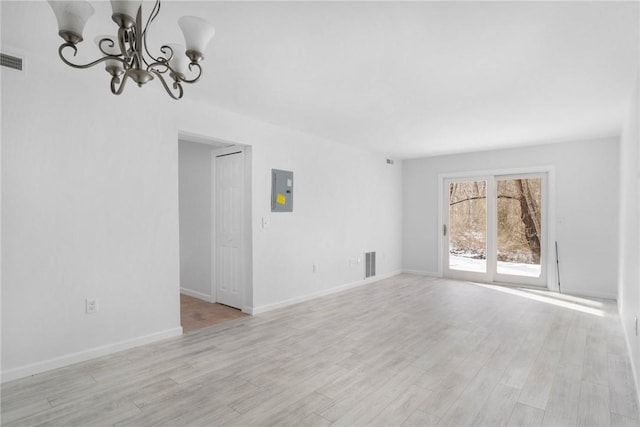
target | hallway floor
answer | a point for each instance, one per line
(197, 314)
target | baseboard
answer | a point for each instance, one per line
(422, 273)
(586, 293)
(196, 294)
(84, 355)
(324, 292)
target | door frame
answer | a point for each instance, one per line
(216, 145)
(549, 234)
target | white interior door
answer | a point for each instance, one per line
(229, 219)
(494, 229)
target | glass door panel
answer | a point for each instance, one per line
(519, 227)
(468, 226)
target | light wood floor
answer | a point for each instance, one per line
(408, 351)
(197, 314)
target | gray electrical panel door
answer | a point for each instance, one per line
(281, 191)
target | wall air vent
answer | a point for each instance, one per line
(390, 162)
(369, 264)
(10, 61)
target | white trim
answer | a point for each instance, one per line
(203, 139)
(324, 292)
(422, 273)
(196, 294)
(84, 355)
(586, 293)
(627, 334)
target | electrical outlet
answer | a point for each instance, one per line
(315, 268)
(91, 306)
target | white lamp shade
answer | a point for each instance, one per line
(179, 61)
(111, 50)
(72, 15)
(126, 7)
(197, 33)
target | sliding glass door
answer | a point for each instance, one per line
(494, 228)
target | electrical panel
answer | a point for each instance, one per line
(281, 191)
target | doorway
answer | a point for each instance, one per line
(495, 228)
(215, 240)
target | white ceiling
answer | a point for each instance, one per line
(412, 79)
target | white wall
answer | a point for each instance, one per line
(586, 175)
(195, 219)
(629, 265)
(346, 201)
(90, 207)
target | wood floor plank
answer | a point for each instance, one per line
(622, 394)
(499, 406)
(564, 397)
(364, 411)
(420, 418)
(525, 416)
(573, 350)
(540, 379)
(399, 409)
(516, 373)
(22, 409)
(622, 421)
(467, 407)
(595, 358)
(593, 410)
(298, 412)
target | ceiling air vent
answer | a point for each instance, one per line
(10, 61)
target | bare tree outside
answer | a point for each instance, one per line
(519, 220)
(468, 219)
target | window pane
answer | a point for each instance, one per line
(519, 227)
(468, 226)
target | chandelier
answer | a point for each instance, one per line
(127, 56)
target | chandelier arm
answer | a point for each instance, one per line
(110, 43)
(161, 65)
(191, 66)
(122, 35)
(115, 80)
(176, 86)
(154, 13)
(90, 64)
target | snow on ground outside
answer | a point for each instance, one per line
(480, 266)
